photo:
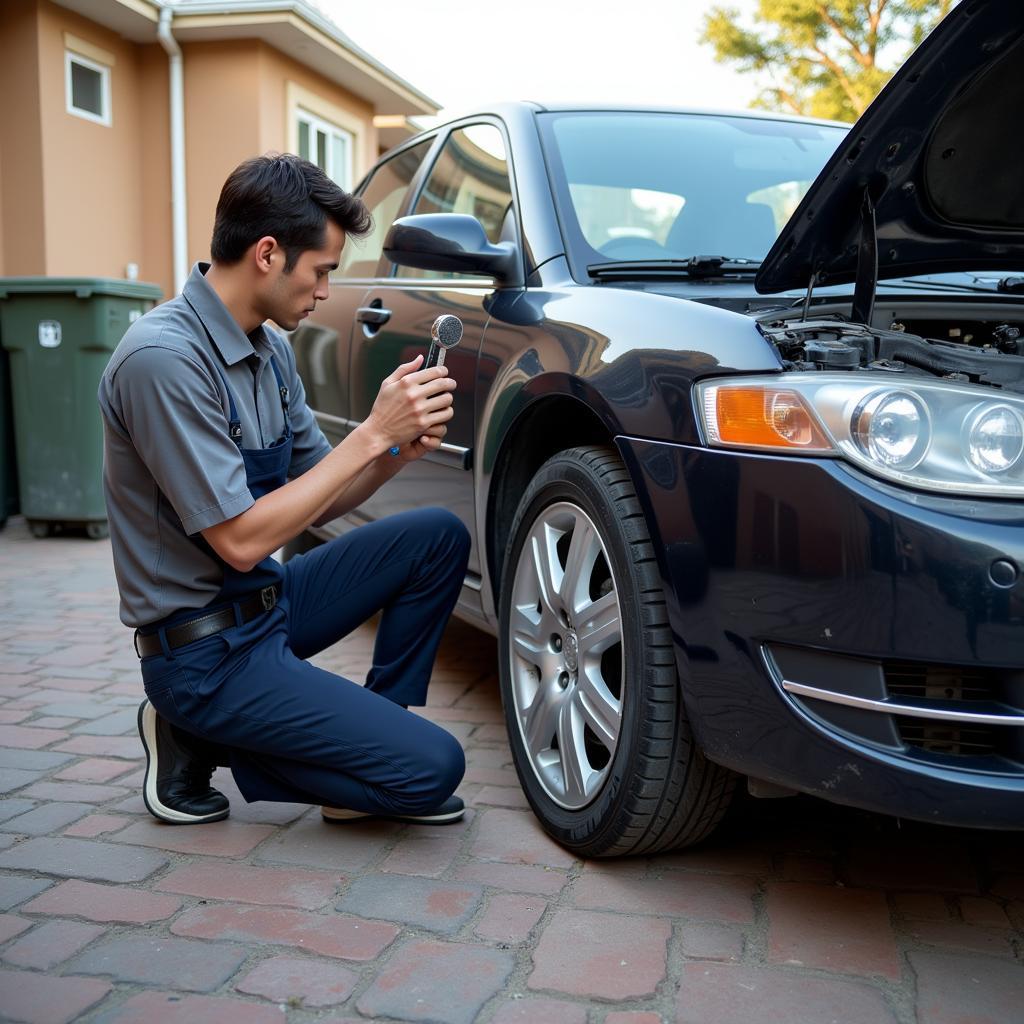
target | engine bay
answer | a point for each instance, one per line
(974, 351)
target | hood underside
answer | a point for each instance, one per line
(933, 168)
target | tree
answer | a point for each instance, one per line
(822, 56)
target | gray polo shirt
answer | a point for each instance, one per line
(170, 469)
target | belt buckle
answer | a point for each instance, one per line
(269, 598)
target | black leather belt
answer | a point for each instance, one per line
(206, 624)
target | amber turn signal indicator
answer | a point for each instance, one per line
(762, 416)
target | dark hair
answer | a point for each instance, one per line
(286, 197)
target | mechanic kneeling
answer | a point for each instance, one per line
(213, 460)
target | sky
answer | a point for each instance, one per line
(463, 54)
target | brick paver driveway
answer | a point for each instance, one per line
(797, 912)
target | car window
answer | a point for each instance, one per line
(639, 185)
(384, 195)
(470, 176)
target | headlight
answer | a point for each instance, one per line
(892, 428)
(996, 439)
(935, 435)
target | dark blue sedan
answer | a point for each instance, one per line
(739, 437)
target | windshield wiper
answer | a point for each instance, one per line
(694, 266)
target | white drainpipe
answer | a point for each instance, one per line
(179, 206)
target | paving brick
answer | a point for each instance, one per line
(93, 769)
(712, 942)
(967, 989)
(516, 837)
(585, 953)
(73, 685)
(33, 760)
(417, 854)
(942, 867)
(13, 806)
(704, 897)
(436, 906)
(313, 843)
(957, 935)
(45, 999)
(90, 793)
(440, 982)
(484, 775)
(837, 929)
(349, 938)
(128, 747)
(162, 960)
(300, 982)
(7, 839)
(11, 925)
(501, 796)
(510, 917)
(119, 723)
(83, 858)
(51, 943)
(632, 1017)
(105, 903)
(514, 877)
(1010, 887)
(29, 739)
(286, 887)
(51, 722)
(734, 859)
(536, 1010)
(95, 825)
(219, 839)
(172, 1008)
(47, 818)
(79, 654)
(12, 779)
(922, 906)
(12, 717)
(15, 889)
(736, 994)
(982, 912)
(795, 867)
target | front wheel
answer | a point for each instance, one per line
(589, 683)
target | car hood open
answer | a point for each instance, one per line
(929, 179)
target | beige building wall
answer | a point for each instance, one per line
(91, 180)
(221, 126)
(154, 168)
(79, 198)
(22, 243)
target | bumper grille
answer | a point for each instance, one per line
(967, 717)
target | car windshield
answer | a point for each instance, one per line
(662, 186)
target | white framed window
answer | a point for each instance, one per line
(326, 145)
(87, 87)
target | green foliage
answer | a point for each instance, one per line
(822, 56)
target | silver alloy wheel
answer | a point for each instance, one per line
(567, 677)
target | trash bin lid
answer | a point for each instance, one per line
(80, 287)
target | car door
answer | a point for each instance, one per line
(322, 344)
(469, 175)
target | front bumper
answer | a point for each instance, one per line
(843, 637)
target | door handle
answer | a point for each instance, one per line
(373, 315)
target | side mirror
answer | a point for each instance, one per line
(451, 242)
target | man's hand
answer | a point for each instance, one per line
(411, 409)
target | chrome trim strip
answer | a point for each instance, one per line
(452, 455)
(889, 707)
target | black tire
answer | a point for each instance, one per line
(656, 790)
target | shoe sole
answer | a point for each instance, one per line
(147, 732)
(422, 819)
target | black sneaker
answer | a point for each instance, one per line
(450, 811)
(177, 784)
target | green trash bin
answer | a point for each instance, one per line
(8, 459)
(59, 333)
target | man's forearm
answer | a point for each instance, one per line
(367, 483)
(284, 513)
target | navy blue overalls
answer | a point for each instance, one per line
(296, 732)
